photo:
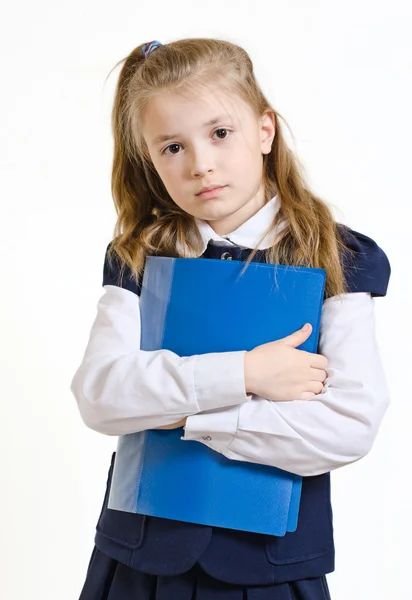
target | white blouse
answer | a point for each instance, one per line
(122, 389)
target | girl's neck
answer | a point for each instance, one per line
(232, 222)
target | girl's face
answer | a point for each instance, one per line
(212, 140)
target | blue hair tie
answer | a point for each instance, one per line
(149, 47)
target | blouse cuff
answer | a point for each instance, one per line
(214, 429)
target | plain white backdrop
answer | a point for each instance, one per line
(340, 73)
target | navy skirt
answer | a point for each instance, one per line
(108, 579)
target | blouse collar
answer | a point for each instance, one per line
(249, 233)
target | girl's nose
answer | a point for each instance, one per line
(202, 163)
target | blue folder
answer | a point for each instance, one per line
(196, 306)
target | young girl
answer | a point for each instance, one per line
(189, 116)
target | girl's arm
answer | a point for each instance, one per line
(180, 423)
(121, 389)
(330, 430)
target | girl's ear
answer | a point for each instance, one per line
(144, 150)
(268, 131)
(146, 155)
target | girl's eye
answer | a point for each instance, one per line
(176, 145)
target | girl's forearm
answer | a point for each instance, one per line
(180, 423)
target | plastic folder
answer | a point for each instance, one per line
(196, 306)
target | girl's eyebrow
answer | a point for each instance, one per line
(168, 136)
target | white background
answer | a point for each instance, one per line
(340, 73)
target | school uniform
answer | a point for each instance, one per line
(121, 389)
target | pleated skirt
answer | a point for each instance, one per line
(108, 579)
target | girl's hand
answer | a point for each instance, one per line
(173, 425)
(278, 371)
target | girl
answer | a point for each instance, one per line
(189, 116)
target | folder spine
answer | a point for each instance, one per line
(127, 473)
(155, 281)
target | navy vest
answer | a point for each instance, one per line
(165, 547)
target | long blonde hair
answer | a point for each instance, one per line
(149, 222)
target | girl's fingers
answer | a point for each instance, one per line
(318, 375)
